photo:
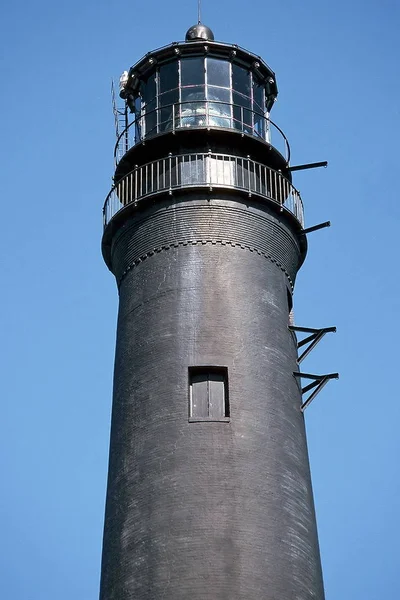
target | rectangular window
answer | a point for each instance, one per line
(208, 394)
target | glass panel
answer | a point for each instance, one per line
(189, 94)
(169, 78)
(218, 72)
(219, 115)
(165, 118)
(192, 71)
(258, 97)
(248, 120)
(138, 131)
(241, 100)
(238, 118)
(168, 98)
(259, 124)
(148, 89)
(193, 107)
(151, 118)
(217, 93)
(193, 114)
(241, 80)
(241, 113)
(138, 118)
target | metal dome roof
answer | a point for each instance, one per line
(199, 32)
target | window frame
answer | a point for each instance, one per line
(209, 370)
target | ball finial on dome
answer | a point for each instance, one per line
(199, 32)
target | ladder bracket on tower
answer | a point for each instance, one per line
(319, 381)
(312, 340)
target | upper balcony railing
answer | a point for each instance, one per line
(198, 115)
(205, 170)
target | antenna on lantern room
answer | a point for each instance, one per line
(199, 12)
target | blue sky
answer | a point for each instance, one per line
(337, 72)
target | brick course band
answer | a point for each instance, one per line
(225, 222)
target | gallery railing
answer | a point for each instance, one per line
(198, 114)
(205, 170)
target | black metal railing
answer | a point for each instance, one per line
(199, 114)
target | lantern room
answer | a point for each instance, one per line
(199, 84)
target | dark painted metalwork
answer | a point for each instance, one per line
(209, 491)
(316, 227)
(206, 117)
(312, 340)
(309, 166)
(195, 84)
(319, 381)
(203, 170)
(199, 32)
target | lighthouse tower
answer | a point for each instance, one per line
(209, 492)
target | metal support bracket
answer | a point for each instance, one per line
(319, 381)
(309, 166)
(315, 227)
(312, 340)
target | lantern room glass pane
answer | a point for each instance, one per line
(165, 118)
(169, 77)
(192, 71)
(242, 113)
(218, 72)
(189, 94)
(168, 98)
(217, 93)
(193, 114)
(151, 118)
(241, 80)
(219, 115)
(258, 97)
(259, 124)
(241, 100)
(148, 89)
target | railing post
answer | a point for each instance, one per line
(170, 171)
(164, 173)
(130, 187)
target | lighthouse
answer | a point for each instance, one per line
(209, 493)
